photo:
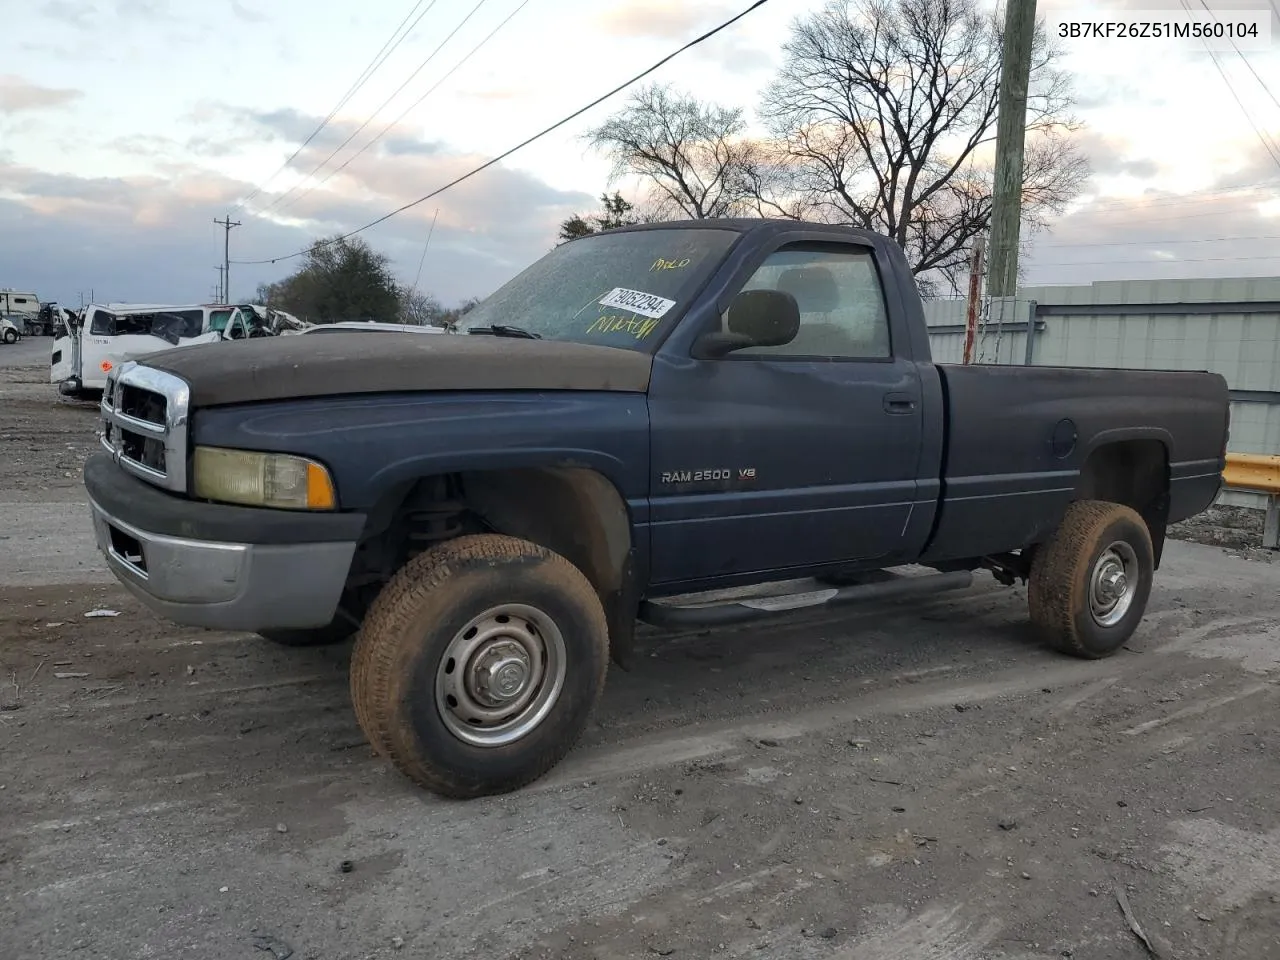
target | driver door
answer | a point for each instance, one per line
(65, 351)
(795, 456)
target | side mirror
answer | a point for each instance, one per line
(757, 318)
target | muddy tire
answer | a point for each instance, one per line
(478, 665)
(1091, 580)
(336, 632)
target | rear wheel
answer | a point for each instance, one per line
(11, 336)
(478, 665)
(1090, 582)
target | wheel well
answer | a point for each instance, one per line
(575, 511)
(1136, 474)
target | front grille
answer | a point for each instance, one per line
(142, 404)
(148, 451)
(144, 424)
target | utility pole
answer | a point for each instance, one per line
(975, 299)
(221, 286)
(1011, 132)
(227, 223)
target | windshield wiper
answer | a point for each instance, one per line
(506, 330)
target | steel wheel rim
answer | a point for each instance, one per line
(1113, 583)
(500, 675)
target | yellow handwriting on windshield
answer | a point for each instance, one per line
(661, 264)
(615, 323)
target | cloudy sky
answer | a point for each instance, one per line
(127, 126)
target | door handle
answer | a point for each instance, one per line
(899, 402)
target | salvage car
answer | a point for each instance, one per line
(640, 417)
(85, 352)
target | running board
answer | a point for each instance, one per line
(666, 614)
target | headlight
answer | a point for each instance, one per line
(262, 479)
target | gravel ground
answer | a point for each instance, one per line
(1237, 528)
(893, 782)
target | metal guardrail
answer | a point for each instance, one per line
(1260, 473)
(1252, 471)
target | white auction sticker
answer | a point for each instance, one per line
(1225, 30)
(637, 301)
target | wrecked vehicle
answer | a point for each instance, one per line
(641, 416)
(255, 320)
(85, 352)
(9, 332)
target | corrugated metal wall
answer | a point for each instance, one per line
(1229, 326)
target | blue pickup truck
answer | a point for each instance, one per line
(636, 422)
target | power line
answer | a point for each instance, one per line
(1098, 263)
(1235, 96)
(524, 143)
(1154, 243)
(413, 106)
(1240, 54)
(424, 248)
(431, 56)
(370, 69)
(1189, 216)
(1195, 196)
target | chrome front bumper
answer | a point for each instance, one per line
(226, 586)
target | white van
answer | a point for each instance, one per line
(83, 355)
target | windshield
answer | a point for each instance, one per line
(617, 290)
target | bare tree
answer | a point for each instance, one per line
(887, 110)
(420, 308)
(694, 156)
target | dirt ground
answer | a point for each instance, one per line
(45, 437)
(893, 782)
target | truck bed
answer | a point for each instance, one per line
(1018, 439)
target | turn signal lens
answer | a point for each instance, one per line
(319, 488)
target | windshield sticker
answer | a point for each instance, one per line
(661, 264)
(637, 301)
(613, 323)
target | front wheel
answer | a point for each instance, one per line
(478, 665)
(1090, 582)
(11, 336)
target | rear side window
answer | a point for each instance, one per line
(192, 322)
(168, 325)
(842, 312)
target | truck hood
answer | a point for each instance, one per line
(336, 364)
